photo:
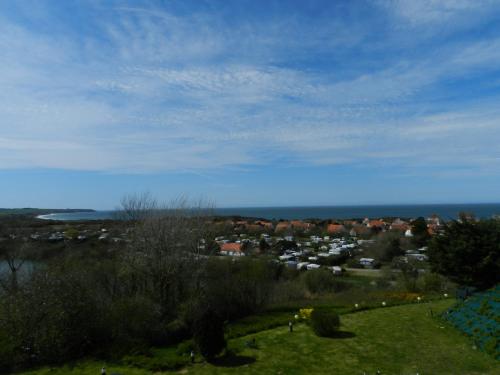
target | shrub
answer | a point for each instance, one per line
(185, 347)
(305, 313)
(325, 323)
(209, 334)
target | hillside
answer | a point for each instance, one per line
(40, 211)
(396, 340)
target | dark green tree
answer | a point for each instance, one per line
(420, 232)
(208, 334)
(325, 323)
(468, 252)
(393, 249)
(263, 245)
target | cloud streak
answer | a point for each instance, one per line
(149, 90)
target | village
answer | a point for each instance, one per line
(297, 244)
(305, 245)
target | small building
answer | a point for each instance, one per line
(232, 249)
(282, 226)
(367, 262)
(419, 257)
(302, 265)
(313, 266)
(337, 270)
(335, 228)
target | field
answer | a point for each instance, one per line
(395, 340)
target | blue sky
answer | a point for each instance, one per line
(249, 103)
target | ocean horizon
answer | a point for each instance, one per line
(445, 211)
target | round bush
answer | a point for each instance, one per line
(325, 323)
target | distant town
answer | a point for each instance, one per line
(299, 244)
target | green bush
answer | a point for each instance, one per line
(209, 334)
(325, 323)
(185, 347)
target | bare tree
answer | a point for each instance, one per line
(168, 247)
(137, 207)
(13, 253)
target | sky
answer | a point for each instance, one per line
(249, 103)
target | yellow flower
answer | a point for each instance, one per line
(305, 313)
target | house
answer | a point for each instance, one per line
(399, 225)
(408, 233)
(265, 224)
(282, 226)
(432, 229)
(232, 249)
(335, 228)
(337, 270)
(359, 229)
(300, 225)
(367, 262)
(302, 265)
(335, 251)
(378, 224)
(313, 266)
(419, 257)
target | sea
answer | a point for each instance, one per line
(444, 211)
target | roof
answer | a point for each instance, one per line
(282, 225)
(299, 224)
(335, 228)
(231, 246)
(376, 223)
(266, 224)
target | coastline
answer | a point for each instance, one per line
(444, 211)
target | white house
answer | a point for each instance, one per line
(313, 266)
(419, 257)
(337, 270)
(302, 265)
(367, 262)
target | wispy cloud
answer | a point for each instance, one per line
(146, 89)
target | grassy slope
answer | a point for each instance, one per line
(396, 340)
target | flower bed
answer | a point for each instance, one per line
(479, 318)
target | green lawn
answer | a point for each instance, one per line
(396, 340)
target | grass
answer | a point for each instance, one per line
(395, 340)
